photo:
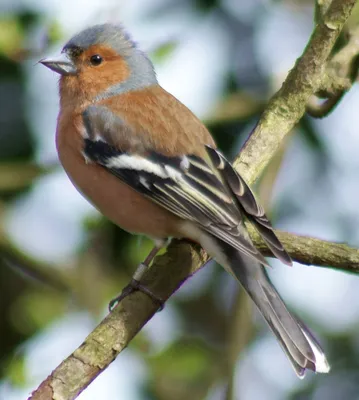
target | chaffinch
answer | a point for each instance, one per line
(149, 165)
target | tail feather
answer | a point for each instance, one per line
(302, 349)
(297, 360)
(286, 321)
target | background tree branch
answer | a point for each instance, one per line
(182, 260)
(341, 72)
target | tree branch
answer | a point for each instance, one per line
(341, 73)
(289, 104)
(26, 264)
(167, 274)
(182, 260)
(312, 251)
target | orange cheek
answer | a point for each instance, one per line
(96, 80)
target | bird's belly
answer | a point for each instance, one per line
(117, 201)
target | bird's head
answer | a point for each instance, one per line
(101, 61)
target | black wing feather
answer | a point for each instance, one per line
(246, 199)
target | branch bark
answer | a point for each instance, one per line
(341, 73)
(182, 260)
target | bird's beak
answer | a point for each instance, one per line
(61, 64)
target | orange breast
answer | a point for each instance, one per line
(122, 205)
(158, 121)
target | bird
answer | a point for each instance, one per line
(149, 165)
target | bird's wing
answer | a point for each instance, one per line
(247, 201)
(189, 186)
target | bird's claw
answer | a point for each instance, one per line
(133, 286)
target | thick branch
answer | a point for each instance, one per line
(341, 73)
(288, 105)
(182, 259)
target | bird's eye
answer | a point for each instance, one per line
(96, 59)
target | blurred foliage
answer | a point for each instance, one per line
(185, 370)
(163, 51)
(192, 365)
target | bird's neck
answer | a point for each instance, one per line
(142, 75)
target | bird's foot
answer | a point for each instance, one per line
(133, 286)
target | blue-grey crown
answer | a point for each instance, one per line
(114, 36)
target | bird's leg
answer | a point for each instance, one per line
(136, 278)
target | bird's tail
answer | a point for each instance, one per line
(302, 349)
